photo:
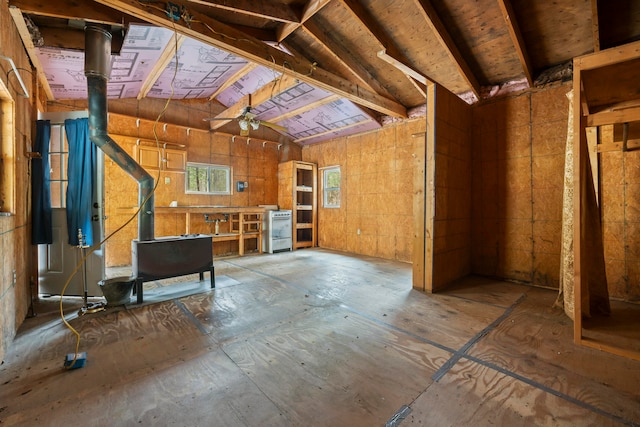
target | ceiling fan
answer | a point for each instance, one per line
(248, 121)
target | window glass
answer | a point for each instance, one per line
(208, 179)
(331, 187)
(58, 155)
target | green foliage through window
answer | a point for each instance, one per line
(331, 187)
(208, 179)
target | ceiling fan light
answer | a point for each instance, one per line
(254, 124)
(244, 124)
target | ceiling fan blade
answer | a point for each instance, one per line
(244, 132)
(209, 119)
(273, 126)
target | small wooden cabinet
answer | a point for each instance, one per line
(150, 157)
(297, 191)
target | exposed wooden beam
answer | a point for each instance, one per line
(169, 52)
(311, 8)
(517, 39)
(18, 19)
(432, 19)
(266, 92)
(73, 39)
(595, 25)
(327, 132)
(271, 10)
(350, 65)
(209, 31)
(613, 117)
(80, 10)
(403, 67)
(234, 78)
(369, 23)
(304, 109)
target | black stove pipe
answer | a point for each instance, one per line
(97, 66)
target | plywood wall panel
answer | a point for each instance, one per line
(377, 186)
(520, 150)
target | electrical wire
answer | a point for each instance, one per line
(135, 214)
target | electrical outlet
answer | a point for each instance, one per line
(358, 232)
(15, 278)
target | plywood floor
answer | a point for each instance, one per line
(319, 338)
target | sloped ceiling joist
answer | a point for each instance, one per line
(214, 33)
(363, 16)
(440, 31)
(272, 10)
(350, 65)
(282, 84)
(310, 9)
(16, 14)
(167, 55)
(518, 42)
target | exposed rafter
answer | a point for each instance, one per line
(167, 55)
(266, 92)
(272, 10)
(350, 65)
(311, 8)
(595, 25)
(516, 37)
(74, 10)
(234, 78)
(359, 13)
(433, 20)
(327, 132)
(16, 14)
(308, 107)
(214, 33)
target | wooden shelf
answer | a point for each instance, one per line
(225, 237)
(297, 191)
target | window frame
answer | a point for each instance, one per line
(326, 189)
(7, 151)
(210, 167)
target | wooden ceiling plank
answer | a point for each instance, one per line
(516, 37)
(169, 52)
(595, 25)
(311, 8)
(271, 10)
(265, 93)
(209, 31)
(18, 19)
(234, 78)
(86, 10)
(371, 25)
(431, 17)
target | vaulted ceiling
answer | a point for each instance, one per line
(319, 68)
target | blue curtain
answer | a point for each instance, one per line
(80, 172)
(42, 229)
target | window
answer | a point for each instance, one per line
(208, 179)
(331, 187)
(58, 159)
(7, 124)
